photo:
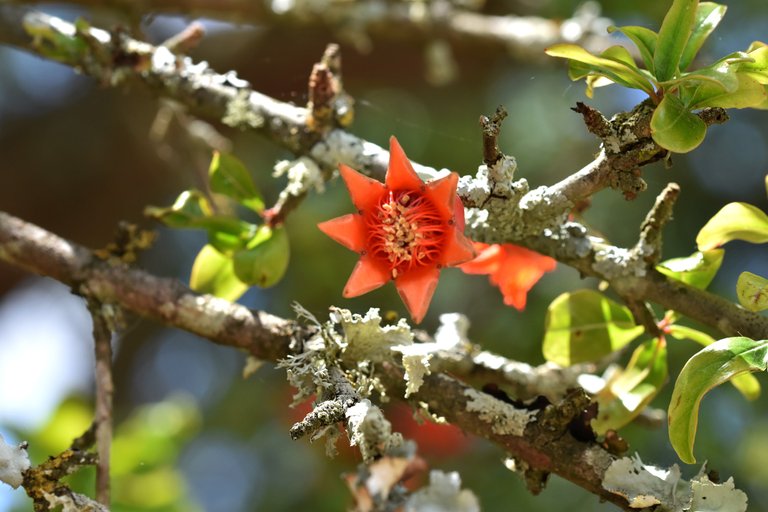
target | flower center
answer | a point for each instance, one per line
(406, 230)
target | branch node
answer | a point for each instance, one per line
(649, 244)
(328, 103)
(187, 39)
(491, 128)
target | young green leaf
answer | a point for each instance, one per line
(697, 270)
(708, 16)
(645, 40)
(264, 260)
(213, 273)
(748, 94)
(229, 176)
(227, 234)
(675, 128)
(627, 394)
(585, 326)
(752, 291)
(758, 68)
(708, 368)
(673, 38)
(735, 221)
(186, 211)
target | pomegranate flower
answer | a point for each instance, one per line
(512, 268)
(405, 230)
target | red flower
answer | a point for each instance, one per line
(512, 268)
(405, 230)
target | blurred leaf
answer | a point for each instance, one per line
(627, 394)
(645, 40)
(186, 211)
(748, 94)
(227, 234)
(265, 259)
(675, 128)
(708, 16)
(673, 38)
(758, 69)
(229, 176)
(696, 270)
(607, 64)
(752, 291)
(735, 221)
(708, 368)
(585, 326)
(213, 272)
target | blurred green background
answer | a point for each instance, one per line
(191, 433)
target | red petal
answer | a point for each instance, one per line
(520, 270)
(367, 275)
(366, 192)
(442, 193)
(400, 173)
(416, 289)
(488, 260)
(458, 249)
(349, 230)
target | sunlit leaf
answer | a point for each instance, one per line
(697, 270)
(627, 394)
(735, 221)
(708, 368)
(748, 94)
(214, 273)
(721, 76)
(227, 234)
(673, 38)
(708, 16)
(585, 326)
(676, 128)
(186, 211)
(645, 40)
(758, 68)
(229, 176)
(752, 291)
(265, 259)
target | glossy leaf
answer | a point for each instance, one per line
(708, 368)
(758, 68)
(721, 76)
(735, 221)
(752, 291)
(708, 16)
(645, 40)
(229, 176)
(675, 128)
(697, 270)
(613, 68)
(586, 326)
(214, 273)
(186, 211)
(746, 383)
(748, 94)
(673, 38)
(265, 259)
(627, 394)
(227, 234)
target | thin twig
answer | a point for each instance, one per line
(102, 336)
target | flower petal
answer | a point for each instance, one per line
(349, 230)
(488, 260)
(366, 192)
(367, 275)
(442, 193)
(400, 173)
(458, 249)
(519, 271)
(416, 289)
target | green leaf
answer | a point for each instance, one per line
(708, 368)
(229, 176)
(697, 270)
(585, 326)
(645, 40)
(708, 16)
(627, 394)
(735, 221)
(752, 291)
(675, 128)
(227, 234)
(720, 75)
(264, 260)
(749, 93)
(607, 64)
(758, 68)
(673, 38)
(214, 273)
(186, 211)
(746, 383)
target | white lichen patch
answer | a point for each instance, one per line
(370, 430)
(241, 112)
(443, 494)
(646, 486)
(615, 262)
(416, 363)
(366, 338)
(14, 461)
(303, 175)
(452, 335)
(503, 417)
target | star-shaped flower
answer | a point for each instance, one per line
(512, 268)
(405, 230)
